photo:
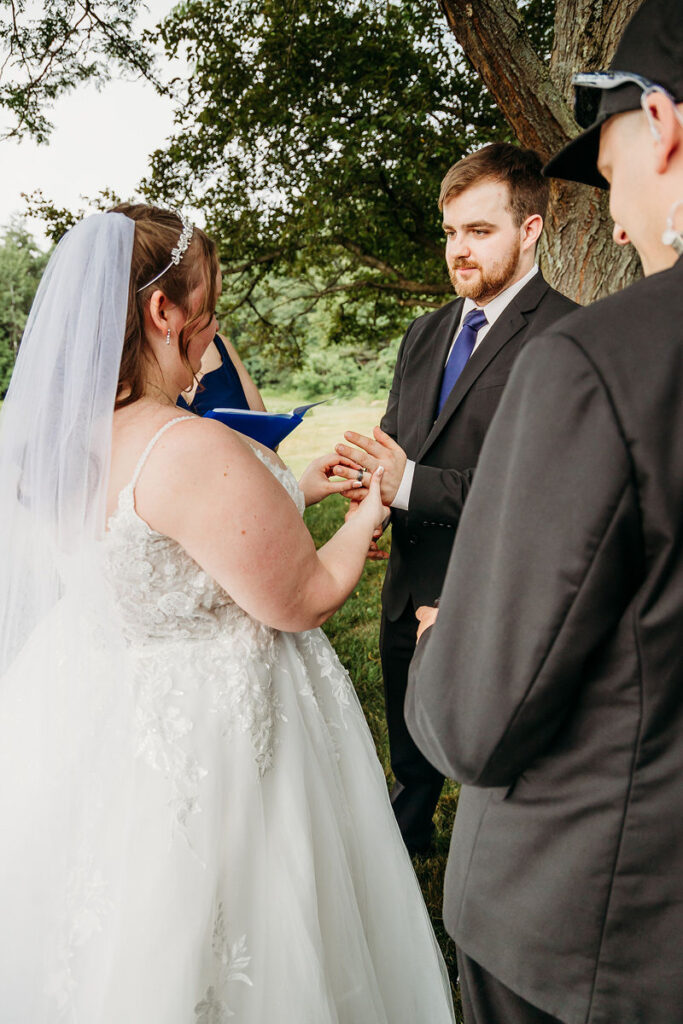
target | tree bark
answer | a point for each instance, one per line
(578, 255)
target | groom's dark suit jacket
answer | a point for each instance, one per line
(559, 700)
(446, 451)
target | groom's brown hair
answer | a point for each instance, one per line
(519, 169)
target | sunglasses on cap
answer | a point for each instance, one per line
(589, 86)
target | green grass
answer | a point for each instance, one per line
(354, 633)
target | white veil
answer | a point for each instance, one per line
(63, 729)
(55, 424)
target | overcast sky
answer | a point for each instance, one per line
(101, 139)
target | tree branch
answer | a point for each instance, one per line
(419, 235)
(240, 268)
(266, 322)
(376, 285)
(246, 298)
(127, 48)
(402, 283)
(51, 57)
(493, 36)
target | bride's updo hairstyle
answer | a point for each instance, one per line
(157, 232)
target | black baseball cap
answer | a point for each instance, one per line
(649, 55)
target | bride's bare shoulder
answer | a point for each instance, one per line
(196, 466)
(170, 433)
(195, 447)
(190, 433)
(161, 444)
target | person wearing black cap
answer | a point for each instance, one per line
(560, 708)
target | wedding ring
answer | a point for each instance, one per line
(361, 474)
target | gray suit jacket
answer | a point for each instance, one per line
(552, 682)
(446, 448)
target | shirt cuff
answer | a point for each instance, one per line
(404, 488)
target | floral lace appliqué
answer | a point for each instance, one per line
(232, 962)
(161, 728)
(87, 905)
(313, 644)
(255, 709)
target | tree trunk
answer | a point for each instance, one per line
(578, 255)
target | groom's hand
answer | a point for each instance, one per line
(372, 452)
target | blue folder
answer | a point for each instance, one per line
(269, 428)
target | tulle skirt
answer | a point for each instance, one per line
(196, 835)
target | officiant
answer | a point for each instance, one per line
(560, 708)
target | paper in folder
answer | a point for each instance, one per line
(269, 428)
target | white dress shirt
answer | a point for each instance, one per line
(493, 310)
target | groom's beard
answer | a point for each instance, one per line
(485, 284)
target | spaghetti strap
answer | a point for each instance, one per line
(150, 444)
(222, 350)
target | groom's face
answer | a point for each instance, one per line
(483, 243)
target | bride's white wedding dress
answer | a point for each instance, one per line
(237, 859)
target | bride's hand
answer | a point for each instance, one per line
(374, 554)
(315, 480)
(371, 507)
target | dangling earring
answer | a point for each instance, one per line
(168, 336)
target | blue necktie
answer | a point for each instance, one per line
(461, 352)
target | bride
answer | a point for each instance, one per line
(196, 828)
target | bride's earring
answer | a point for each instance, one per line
(168, 336)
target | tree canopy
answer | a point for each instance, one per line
(51, 47)
(314, 136)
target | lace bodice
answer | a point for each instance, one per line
(161, 591)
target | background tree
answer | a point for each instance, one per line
(48, 48)
(314, 135)
(21, 264)
(534, 95)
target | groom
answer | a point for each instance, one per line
(451, 369)
(552, 681)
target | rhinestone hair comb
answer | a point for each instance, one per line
(177, 253)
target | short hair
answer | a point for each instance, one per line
(519, 169)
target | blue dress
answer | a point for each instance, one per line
(219, 389)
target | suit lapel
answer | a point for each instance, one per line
(433, 372)
(511, 320)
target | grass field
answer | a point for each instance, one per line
(354, 630)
